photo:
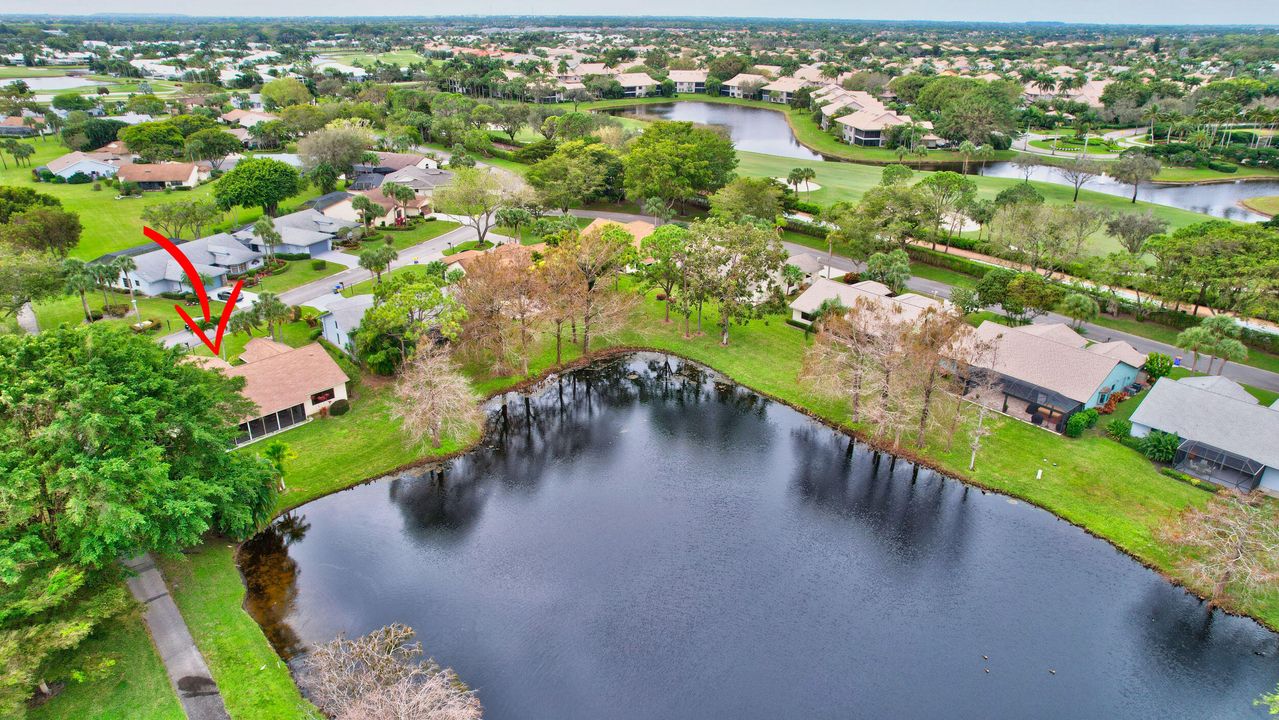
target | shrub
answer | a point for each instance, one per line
(1090, 416)
(79, 178)
(1189, 480)
(97, 186)
(1160, 446)
(1076, 425)
(1224, 167)
(319, 264)
(1157, 365)
(1118, 429)
(339, 407)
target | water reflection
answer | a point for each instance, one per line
(752, 129)
(641, 539)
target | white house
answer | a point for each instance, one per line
(93, 165)
(214, 257)
(342, 317)
(689, 81)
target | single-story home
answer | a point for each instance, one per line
(423, 181)
(342, 317)
(906, 306)
(13, 126)
(215, 257)
(305, 232)
(158, 176)
(288, 385)
(1227, 437)
(688, 81)
(247, 118)
(639, 229)
(389, 162)
(94, 165)
(1045, 376)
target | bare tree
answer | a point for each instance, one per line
(504, 299)
(599, 256)
(838, 363)
(935, 333)
(433, 399)
(1231, 545)
(562, 287)
(382, 676)
(1079, 171)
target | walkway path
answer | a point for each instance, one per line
(187, 670)
(27, 320)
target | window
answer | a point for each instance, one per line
(322, 396)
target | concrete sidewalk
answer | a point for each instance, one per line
(187, 670)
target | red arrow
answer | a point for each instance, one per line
(198, 285)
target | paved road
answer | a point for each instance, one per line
(187, 670)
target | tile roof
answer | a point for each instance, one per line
(156, 172)
(286, 379)
(1069, 371)
(1055, 331)
(259, 348)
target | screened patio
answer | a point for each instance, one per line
(1029, 403)
(1218, 466)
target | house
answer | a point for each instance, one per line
(13, 126)
(247, 118)
(868, 127)
(743, 85)
(808, 263)
(288, 385)
(341, 318)
(636, 84)
(783, 90)
(1045, 376)
(834, 102)
(158, 176)
(423, 181)
(906, 306)
(94, 165)
(639, 229)
(689, 81)
(305, 232)
(388, 162)
(214, 257)
(1227, 437)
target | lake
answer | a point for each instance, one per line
(38, 84)
(752, 129)
(642, 539)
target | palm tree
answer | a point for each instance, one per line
(984, 152)
(278, 453)
(966, 150)
(79, 279)
(366, 208)
(264, 230)
(807, 174)
(124, 265)
(378, 260)
(1079, 308)
(104, 274)
(795, 177)
(245, 321)
(272, 311)
(1196, 340)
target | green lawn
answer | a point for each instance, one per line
(133, 684)
(420, 233)
(1064, 146)
(468, 245)
(67, 309)
(111, 224)
(20, 71)
(1164, 334)
(401, 57)
(296, 274)
(1186, 175)
(1266, 205)
(849, 181)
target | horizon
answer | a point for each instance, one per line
(1171, 13)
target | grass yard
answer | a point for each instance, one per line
(68, 310)
(468, 245)
(1188, 175)
(1266, 205)
(11, 72)
(849, 181)
(133, 685)
(1068, 146)
(111, 224)
(296, 274)
(526, 234)
(1164, 334)
(420, 233)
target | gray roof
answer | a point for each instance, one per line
(210, 255)
(347, 312)
(328, 200)
(807, 262)
(1069, 371)
(1226, 423)
(420, 179)
(313, 220)
(1221, 386)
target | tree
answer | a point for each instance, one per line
(366, 208)
(1133, 229)
(433, 399)
(944, 193)
(895, 175)
(377, 260)
(662, 251)
(1157, 365)
(748, 259)
(1196, 340)
(278, 453)
(598, 257)
(400, 194)
(324, 176)
(272, 311)
(513, 218)
(1078, 171)
(409, 309)
(677, 161)
(50, 230)
(965, 299)
(79, 279)
(153, 141)
(26, 276)
(264, 230)
(891, 268)
(213, 145)
(260, 182)
(566, 178)
(748, 198)
(1224, 332)
(658, 209)
(1029, 296)
(1135, 169)
(283, 92)
(342, 147)
(1079, 308)
(1230, 546)
(381, 676)
(174, 219)
(14, 200)
(150, 458)
(474, 195)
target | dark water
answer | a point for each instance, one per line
(752, 129)
(642, 541)
(1217, 199)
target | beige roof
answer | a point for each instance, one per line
(61, 163)
(1055, 331)
(787, 84)
(740, 78)
(259, 348)
(286, 379)
(156, 172)
(1069, 371)
(687, 76)
(635, 80)
(638, 229)
(207, 362)
(908, 306)
(873, 119)
(1120, 351)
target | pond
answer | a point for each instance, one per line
(752, 129)
(642, 539)
(39, 84)
(1217, 199)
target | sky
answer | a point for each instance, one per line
(1088, 11)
